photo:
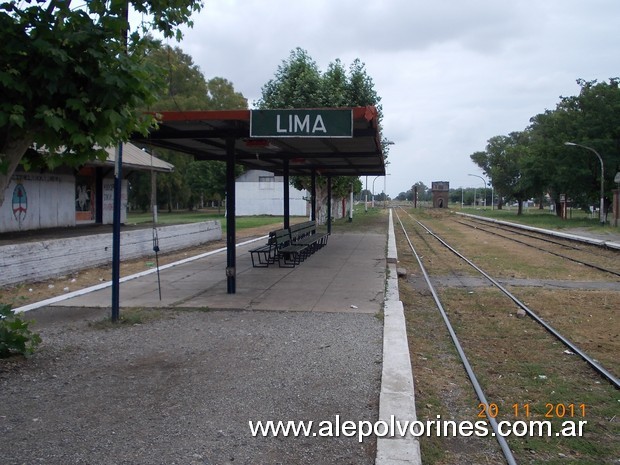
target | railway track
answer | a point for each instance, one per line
(593, 256)
(430, 249)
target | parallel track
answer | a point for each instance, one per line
(593, 363)
(608, 376)
(470, 372)
(490, 229)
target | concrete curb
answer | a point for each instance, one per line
(396, 400)
(392, 254)
(549, 232)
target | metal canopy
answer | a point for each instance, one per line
(294, 146)
(204, 135)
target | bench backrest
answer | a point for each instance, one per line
(301, 230)
(282, 237)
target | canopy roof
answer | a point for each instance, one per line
(204, 134)
(134, 158)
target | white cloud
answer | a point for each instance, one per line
(451, 73)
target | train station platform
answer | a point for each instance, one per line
(347, 275)
(323, 340)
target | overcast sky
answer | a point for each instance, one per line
(451, 73)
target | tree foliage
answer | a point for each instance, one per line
(184, 87)
(298, 83)
(74, 77)
(535, 162)
(424, 193)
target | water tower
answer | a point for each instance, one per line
(441, 191)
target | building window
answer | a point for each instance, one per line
(266, 182)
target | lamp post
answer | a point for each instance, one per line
(385, 190)
(373, 190)
(602, 207)
(485, 188)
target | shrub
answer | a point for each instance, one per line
(15, 336)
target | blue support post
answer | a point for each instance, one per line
(116, 232)
(231, 259)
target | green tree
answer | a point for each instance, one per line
(72, 78)
(502, 163)
(222, 95)
(298, 83)
(184, 87)
(535, 162)
(424, 192)
(591, 118)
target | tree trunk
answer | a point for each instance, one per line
(11, 154)
(520, 207)
(169, 198)
(558, 209)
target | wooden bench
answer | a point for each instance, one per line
(289, 246)
(288, 253)
(265, 255)
(306, 234)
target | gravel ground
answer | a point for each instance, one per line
(180, 388)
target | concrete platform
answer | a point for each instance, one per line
(354, 273)
(347, 275)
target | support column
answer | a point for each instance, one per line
(329, 204)
(116, 232)
(616, 207)
(99, 196)
(154, 195)
(313, 195)
(286, 193)
(231, 271)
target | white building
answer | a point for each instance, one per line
(71, 196)
(261, 193)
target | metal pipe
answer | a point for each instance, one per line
(484, 204)
(600, 159)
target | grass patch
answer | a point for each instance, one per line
(541, 218)
(184, 217)
(520, 364)
(374, 220)
(129, 317)
(515, 361)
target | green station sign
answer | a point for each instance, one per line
(301, 123)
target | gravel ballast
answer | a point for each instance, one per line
(181, 388)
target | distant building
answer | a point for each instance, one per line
(71, 196)
(441, 194)
(262, 193)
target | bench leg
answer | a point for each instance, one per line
(284, 260)
(260, 263)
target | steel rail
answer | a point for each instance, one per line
(571, 237)
(520, 232)
(590, 265)
(600, 369)
(470, 372)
